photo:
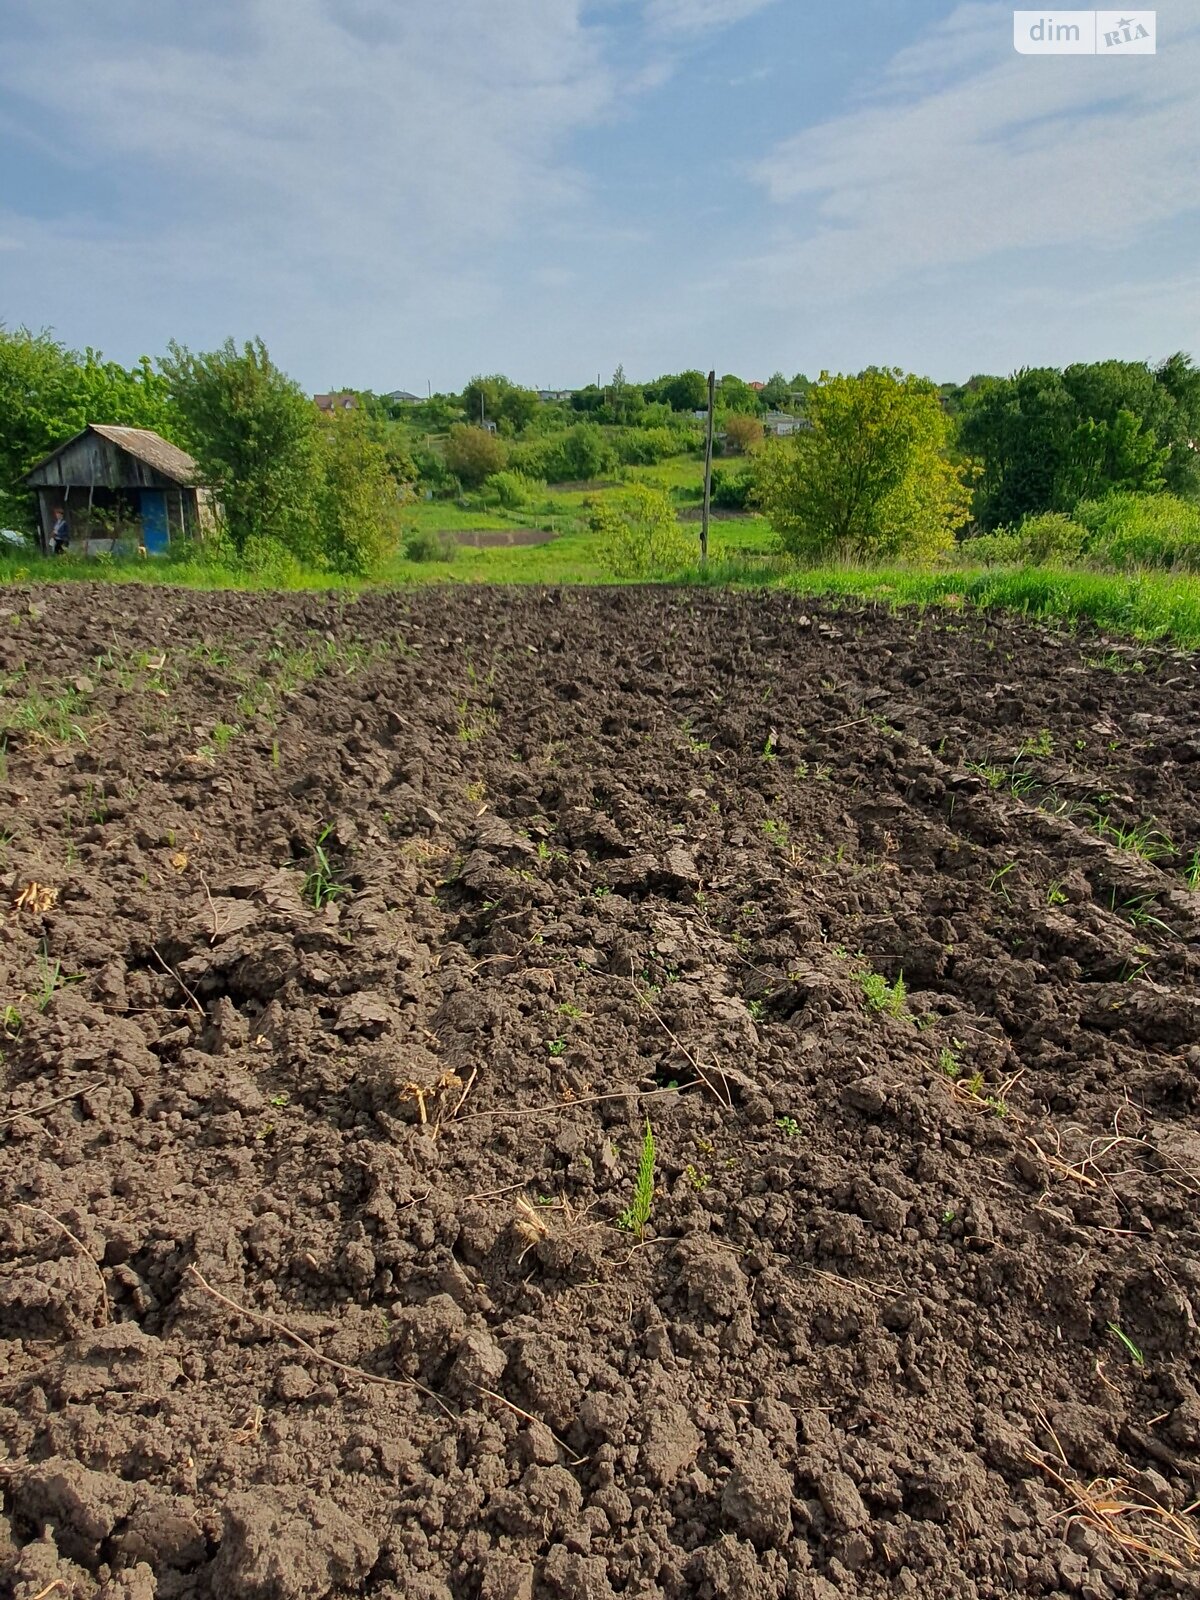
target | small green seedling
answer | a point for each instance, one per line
(1131, 1350)
(889, 998)
(789, 1125)
(998, 878)
(556, 1046)
(320, 884)
(950, 1062)
(637, 1214)
(1192, 875)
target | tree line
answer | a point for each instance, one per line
(884, 463)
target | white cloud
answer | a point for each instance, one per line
(1018, 153)
(699, 16)
(299, 155)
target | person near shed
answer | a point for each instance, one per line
(60, 532)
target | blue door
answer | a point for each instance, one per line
(155, 532)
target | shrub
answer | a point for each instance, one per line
(992, 550)
(731, 490)
(473, 454)
(356, 499)
(429, 544)
(742, 433)
(1142, 530)
(1050, 539)
(639, 534)
(645, 447)
(511, 489)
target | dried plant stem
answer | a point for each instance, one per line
(49, 1105)
(83, 1251)
(725, 1099)
(171, 973)
(284, 1332)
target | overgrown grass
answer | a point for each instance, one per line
(1148, 605)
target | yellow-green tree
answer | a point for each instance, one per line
(870, 477)
(640, 536)
(357, 499)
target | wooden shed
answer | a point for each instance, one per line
(120, 486)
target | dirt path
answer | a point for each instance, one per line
(920, 1276)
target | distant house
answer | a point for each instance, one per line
(556, 396)
(757, 387)
(779, 424)
(120, 485)
(401, 397)
(336, 402)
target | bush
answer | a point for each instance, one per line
(429, 544)
(473, 454)
(645, 447)
(1142, 530)
(742, 433)
(512, 490)
(640, 536)
(1050, 539)
(993, 550)
(731, 490)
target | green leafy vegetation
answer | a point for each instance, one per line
(321, 883)
(870, 476)
(889, 998)
(637, 1214)
(639, 536)
(1127, 1344)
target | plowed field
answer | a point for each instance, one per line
(349, 951)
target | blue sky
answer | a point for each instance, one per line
(396, 192)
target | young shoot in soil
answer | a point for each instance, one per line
(889, 998)
(1127, 1344)
(635, 1217)
(320, 884)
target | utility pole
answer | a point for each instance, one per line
(708, 449)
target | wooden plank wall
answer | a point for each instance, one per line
(95, 460)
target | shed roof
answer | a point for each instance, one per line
(143, 444)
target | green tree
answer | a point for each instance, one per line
(518, 407)
(776, 392)
(254, 433)
(639, 535)
(688, 391)
(357, 498)
(473, 454)
(48, 393)
(1179, 378)
(497, 399)
(870, 476)
(1045, 438)
(584, 453)
(735, 395)
(743, 433)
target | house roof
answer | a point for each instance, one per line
(326, 402)
(401, 394)
(141, 443)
